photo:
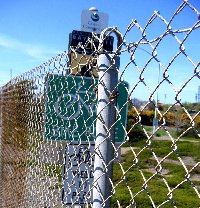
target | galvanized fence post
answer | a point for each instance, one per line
(105, 129)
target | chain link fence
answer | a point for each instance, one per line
(73, 134)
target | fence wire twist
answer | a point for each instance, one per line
(58, 100)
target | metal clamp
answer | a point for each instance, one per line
(110, 30)
(112, 97)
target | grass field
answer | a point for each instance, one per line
(145, 182)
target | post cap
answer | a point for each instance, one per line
(94, 9)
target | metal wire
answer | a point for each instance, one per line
(48, 125)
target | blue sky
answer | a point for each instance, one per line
(32, 32)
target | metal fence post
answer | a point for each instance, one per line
(105, 129)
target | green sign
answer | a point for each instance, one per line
(70, 109)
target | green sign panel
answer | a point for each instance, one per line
(70, 109)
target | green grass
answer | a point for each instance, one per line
(161, 132)
(189, 149)
(190, 139)
(132, 182)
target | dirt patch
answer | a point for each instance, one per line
(124, 150)
(153, 170)
(195, 177)
(164, 172)
(167, 138)
(188, 161)
(163, 138)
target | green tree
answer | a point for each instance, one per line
(135, 131)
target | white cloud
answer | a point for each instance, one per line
(33, 51)
(9, 42)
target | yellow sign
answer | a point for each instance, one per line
(83, 64)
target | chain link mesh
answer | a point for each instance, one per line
(156, 167)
